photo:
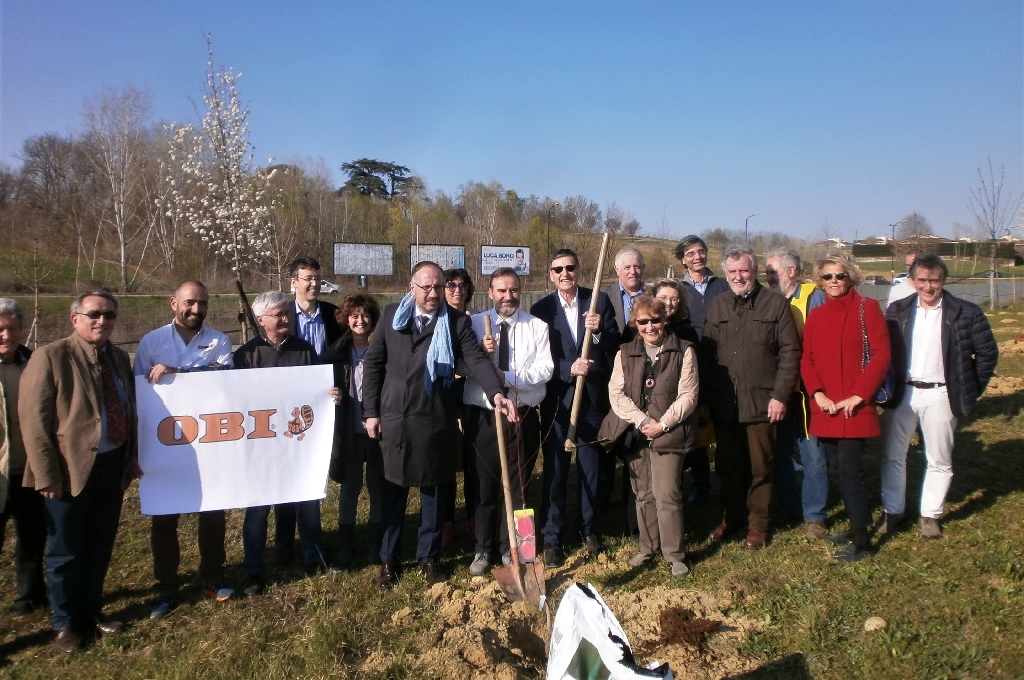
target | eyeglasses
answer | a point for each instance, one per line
(695, 253)
(646, 322)
(457, 285)
(310, 279)
(427, 289)
(95, 314)
(282, 315)
(841, 276)
(569, 268)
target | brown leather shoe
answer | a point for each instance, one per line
(815, 531)
(755, 539)
(433, 574)
(388, 578)
(720, 531)
(107, 627)
(67, 640)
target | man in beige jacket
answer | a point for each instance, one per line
(77, 410)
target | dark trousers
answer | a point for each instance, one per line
(697, 463)
(556, 478)
(81, 530)
(745, 463)
(254, 534)
(606, 487)
(846, 464)
(469, 480)
(432, 503)
(163, 539)
(522, 440)
(25, 506)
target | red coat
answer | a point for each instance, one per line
(831, 362)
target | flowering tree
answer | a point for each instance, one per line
(217, 192)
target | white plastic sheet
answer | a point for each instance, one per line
(587, 642)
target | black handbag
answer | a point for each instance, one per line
(888, 388)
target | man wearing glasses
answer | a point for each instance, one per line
(78, 420)
(409, 404)
(566, 311)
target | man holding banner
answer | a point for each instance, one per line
(182, 346)
(408, 403)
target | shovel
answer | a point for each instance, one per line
(520, 582)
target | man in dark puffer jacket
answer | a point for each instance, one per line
(944, 354)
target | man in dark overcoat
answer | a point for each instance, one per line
(408, 404)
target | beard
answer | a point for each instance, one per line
(506, 309)
(192, 321)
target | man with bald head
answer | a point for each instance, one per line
(182, 346)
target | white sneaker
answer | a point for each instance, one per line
(481, 563)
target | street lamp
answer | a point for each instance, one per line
(892, 253)
(746, 235)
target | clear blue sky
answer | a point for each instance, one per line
(691, 116)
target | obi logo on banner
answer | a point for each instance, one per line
(221, 439)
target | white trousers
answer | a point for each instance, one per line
(931, 409)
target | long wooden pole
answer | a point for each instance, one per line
(577, 397)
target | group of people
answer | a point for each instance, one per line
(764, 372)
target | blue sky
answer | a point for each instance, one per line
(691, 116)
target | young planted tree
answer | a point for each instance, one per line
(218, 193)
(993, 213)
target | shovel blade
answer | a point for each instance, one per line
(510, 583)
(526, 585)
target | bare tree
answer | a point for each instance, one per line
(116, 131)
(993, 214)
(912, 227)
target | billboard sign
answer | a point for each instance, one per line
(357, 259)
(445, 256)
(495, 257)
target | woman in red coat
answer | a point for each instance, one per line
(842, 386)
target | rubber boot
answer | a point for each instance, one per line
(346, 534)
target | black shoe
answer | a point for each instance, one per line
(852, 553)
(889, 523)
(26, 607)
(105, 626)
(433, 573)
(389, 573)
(67, 640)
(842, 538)
(282, 557)
(253, 585)
(592, 544)
(699, 496)
(553, 556)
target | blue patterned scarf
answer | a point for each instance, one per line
(440, 357)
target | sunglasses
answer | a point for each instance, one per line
(842, 276)
(644, 322)
(569, 268)
(95, 314)
(456, 285)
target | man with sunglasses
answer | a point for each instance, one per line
(566, 311)
(752, 358)
(78, 420)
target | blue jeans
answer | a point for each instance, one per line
(432, 504)
(254, 534)
(812, 496)
(815, 488)
(81, 530)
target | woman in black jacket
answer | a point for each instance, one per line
(358, 315)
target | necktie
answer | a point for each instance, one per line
(117, 423)
(503, 346)
(421, 322)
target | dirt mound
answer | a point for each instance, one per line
(1000, 385)
(1011, 347)
(475, 633)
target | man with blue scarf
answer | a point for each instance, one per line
(408, 404)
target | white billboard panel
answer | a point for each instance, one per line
(372, 259)
(445, 256)
(495, 257)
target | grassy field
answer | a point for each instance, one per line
(954, 607)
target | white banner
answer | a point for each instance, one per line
(216, 440)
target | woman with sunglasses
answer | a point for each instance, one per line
(845, 359)
(653, 393)
(458, 292)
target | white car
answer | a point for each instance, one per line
(328, 287)
(899, 278)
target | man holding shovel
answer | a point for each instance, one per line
(519, 344)
(566, 313)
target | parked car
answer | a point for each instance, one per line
(900, 278)
(328, 287)
(876, 280)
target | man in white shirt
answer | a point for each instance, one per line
(904, 288)
(182, 346)
(522, 353)
(944, 355)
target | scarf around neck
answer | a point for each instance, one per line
(440, 357)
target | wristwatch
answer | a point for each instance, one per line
(664, 427)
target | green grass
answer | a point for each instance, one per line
(954, 607)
